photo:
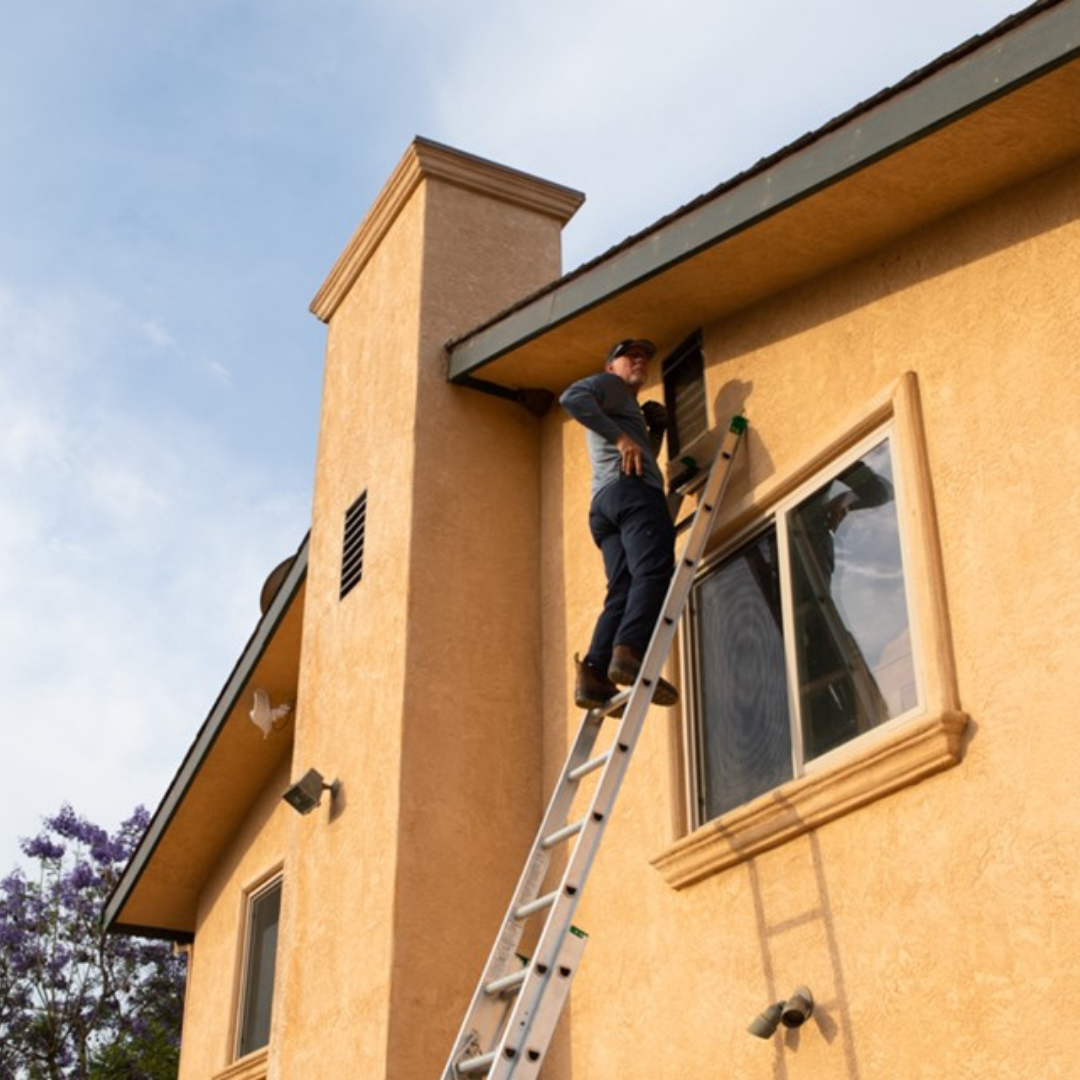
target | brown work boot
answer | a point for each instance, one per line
(592, 688)
(625, 665)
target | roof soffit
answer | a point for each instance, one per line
(994, 106)
(222, 775)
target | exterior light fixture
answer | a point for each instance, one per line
(797, 1008)
(792, 1013)
(306, 793)
(765, 1024)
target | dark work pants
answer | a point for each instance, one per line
(632, 526)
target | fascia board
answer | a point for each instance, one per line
(202, 747)
(1005, 63)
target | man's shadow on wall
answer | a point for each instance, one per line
(733, 400)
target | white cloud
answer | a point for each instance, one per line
(132, 550)
(645, 106)
(217, 371)
(157, 335)
(212, 168)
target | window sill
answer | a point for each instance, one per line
(251, 1067)
(911, 753)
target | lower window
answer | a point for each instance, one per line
(259, 966)
(801, 636)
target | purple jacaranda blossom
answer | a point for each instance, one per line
(84, 877)
(75, 1004)
(42, 847)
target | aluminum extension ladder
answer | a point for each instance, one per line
(517, 1002)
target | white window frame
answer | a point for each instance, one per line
(251, 896)
(899, 752)
(779, 520)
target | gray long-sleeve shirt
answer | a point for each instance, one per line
(607, 408)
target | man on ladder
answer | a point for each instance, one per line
(516, 1004)
(629, 520)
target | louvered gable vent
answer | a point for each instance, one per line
(352, 554)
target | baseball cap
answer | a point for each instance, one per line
(627, 344)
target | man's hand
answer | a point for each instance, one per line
(836, 509)
(631, 455)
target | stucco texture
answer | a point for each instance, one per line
(214, 972)
(936, 927)
(420, 689)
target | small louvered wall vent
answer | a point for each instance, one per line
(352, 554)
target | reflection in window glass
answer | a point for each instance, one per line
(852, 639)
(258, 987)
(802, 636)
(746, 734)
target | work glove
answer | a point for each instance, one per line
(655, 417)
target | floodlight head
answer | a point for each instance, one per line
(797, 1008)
(306, 793)
(792, 1013)
(765, 1024)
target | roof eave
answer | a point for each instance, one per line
(198, 754)
(1019, 50)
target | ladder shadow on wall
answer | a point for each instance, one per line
(789, 940)
(730, 401)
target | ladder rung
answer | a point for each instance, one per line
(536, 905)
(506, 983)
(514, 1015)
(563, 834)
(476, 1065)
(589, 766)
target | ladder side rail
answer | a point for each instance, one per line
(682, 580)
(516, 1040)
(508, 1053)
(517, 1029)
(555, 816)
(476, 1024)
(528, 1066)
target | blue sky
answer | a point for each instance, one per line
(178, 177)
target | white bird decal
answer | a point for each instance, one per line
(265, 718)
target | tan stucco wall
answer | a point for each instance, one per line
(935, 927)
(471, 785)
(342, 860)
(419, 690)
(255, 853)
